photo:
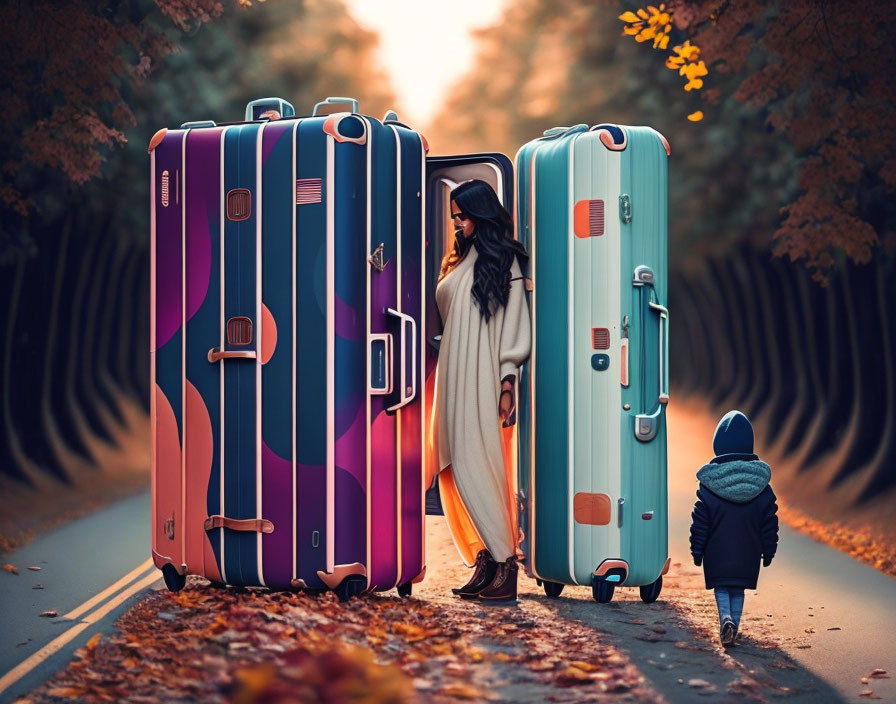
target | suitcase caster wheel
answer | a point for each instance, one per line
(404, 590)
(602, 590)
(212, 584)
(650, 592)
(350, 587)
(174, 581)
(553, 589)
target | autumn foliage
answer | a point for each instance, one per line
(821, 71)
(66, 66)
(656, 23)
(250, 646)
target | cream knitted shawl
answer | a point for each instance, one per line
(474, 356)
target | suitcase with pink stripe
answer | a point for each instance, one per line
(286, 353)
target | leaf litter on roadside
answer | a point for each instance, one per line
(250, 646)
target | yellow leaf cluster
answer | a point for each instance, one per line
(682, 54)
(656, 23)
(652, 23)
(686, 58)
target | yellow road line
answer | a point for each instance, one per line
(90, 603)
(19, 671)
(130, 591)
(60, 641)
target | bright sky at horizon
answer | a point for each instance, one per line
(411, 33)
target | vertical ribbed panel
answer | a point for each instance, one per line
(644, 176)
(597, 403)
(525, 416)
(550, 242)
(596, 217)
(241, 549)
(277, 473)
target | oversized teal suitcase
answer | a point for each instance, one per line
(592, 211)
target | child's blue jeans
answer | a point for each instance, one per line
(730, 601)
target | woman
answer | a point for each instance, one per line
(486, 337)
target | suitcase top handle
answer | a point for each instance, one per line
(555, 132)
(263, 107)
(331, 100)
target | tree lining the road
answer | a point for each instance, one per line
(74, 271)
(820, 72)
(66, 67)
(798, 115)
(797, 146)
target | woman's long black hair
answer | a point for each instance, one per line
(494, 242)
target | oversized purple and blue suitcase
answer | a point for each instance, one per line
(286, 351)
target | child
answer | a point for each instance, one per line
(735, 522)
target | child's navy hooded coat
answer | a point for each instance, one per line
(735, 522)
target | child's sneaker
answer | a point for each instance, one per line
(728, 631)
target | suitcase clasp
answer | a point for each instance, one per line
(625, 208)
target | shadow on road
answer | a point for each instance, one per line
(682, 659)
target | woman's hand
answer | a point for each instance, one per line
(506, 403)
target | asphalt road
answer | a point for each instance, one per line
(92, 569)
(78, 562)
(809, 586)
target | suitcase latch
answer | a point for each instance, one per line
(169, 528)
(625, 208)
(239, 331)
(239, 204)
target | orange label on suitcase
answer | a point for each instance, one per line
(588, 218)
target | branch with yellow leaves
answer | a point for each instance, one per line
(656, 23)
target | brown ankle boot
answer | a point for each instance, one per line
(483, 574)
(502, 590)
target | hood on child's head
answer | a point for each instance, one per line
(734, 435)
(735, 473)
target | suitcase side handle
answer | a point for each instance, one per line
(647, 424)
(335, 99)
(216, 354)
(663, 350)
(381, 364)
(406, 393)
